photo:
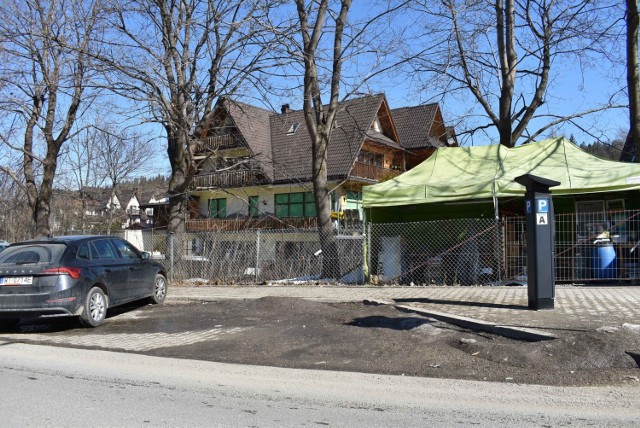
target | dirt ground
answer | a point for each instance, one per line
(297, 333)
(290, 332)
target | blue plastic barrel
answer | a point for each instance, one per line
(605, 265)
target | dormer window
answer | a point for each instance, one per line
(293, 128)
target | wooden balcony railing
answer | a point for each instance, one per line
(217, 142)
(372, 172)
(249, 223)
(227, 179)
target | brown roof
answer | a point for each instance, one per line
(145, 196)
(253, 124)
(292, 150)
(414, 124)
(282, 144)
(380, 138)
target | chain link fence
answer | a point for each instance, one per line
(250, 257)
(590, 246)
(443, 252)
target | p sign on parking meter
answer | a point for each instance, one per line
(542, 212)
(540, 240)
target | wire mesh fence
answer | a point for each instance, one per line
(443, 252)
(590, 246)
(251, 257)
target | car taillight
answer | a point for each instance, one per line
(73, 272)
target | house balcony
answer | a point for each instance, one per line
(250, 223)
(219, 142)
(372, 172)
(228, 179)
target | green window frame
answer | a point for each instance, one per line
(301, 204)
(354, 200)
(218, 208)
(254, 210)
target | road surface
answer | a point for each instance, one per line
(56, 386)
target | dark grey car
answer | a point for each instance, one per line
(75, 276)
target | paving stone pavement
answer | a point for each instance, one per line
(584, 308)
(576, 308)
(138, 342)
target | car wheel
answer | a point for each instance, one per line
(160, 291)
(95, 308)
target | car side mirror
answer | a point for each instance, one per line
(145, 255)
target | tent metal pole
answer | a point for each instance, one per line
(495, 200)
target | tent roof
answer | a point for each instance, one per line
(467, 173)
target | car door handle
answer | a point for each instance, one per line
(107, 270)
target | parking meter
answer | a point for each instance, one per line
(539, 218)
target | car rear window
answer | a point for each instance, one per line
(32, 254)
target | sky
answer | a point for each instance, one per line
(573, 89)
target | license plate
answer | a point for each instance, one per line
(16, 280)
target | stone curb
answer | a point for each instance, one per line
(519, 333)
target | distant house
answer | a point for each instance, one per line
(122, 207)
(256, 165)
(154, 209)
(92, 209)
(144, 209)
(82, 211)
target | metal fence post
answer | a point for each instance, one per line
(367, 239)
(257, 255)
(171, 235)
(500, 248)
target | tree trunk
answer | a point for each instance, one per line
(43, 211)
(328, 244)
(177, 152)
(633, 79)
(40, 199)
(31, 187)
(505, 16)
(320, 120)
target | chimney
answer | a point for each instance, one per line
(285, 108)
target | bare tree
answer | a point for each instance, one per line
(633, 78)
(502, 53)
(44, 81)
(102, 156)
(79, 173)
(13, 228)
(320, 118)
(120, 154)
(340, 58)
(175, 59)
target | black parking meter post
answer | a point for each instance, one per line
(540, 240)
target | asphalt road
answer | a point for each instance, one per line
(56, 386)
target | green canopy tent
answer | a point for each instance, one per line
(467, 188)
(461, 175)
